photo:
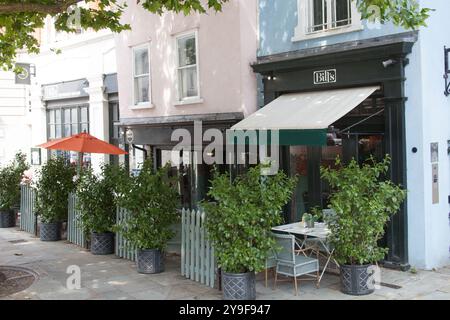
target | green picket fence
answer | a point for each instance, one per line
(123, 248)
(28, 220)
(197, 255)
(75, 234)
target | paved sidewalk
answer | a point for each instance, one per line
(109, 277)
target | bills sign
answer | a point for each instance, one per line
(325, 76)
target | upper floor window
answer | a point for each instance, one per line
(318, 18)
(141, 75)
(187, 67)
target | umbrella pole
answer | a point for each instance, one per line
(80, 162)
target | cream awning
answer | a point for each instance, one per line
(308, 113)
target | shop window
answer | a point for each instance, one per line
(66, 121)
(141, 75)
(318, 18)
(187, 67)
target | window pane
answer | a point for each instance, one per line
(66, 130)
(141, 89)
(58, 131)
(58, 116)
(186, 51)
(188, 82)
(141, 61)
(66, 115)
(51, 116)
(319, 15)
(342, 13)
(84, 127)
(74, 115)
(52, 131)
(75, 128)
(84, 114)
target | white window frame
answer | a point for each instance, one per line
(197, 98)
(304, 17)
(146, 104)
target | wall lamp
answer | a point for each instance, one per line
(389, 63)
(270, 77)
(446, 71)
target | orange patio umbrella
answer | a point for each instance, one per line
(82, 143)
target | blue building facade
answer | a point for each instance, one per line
(321, 46)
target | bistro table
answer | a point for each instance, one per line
(318, 234)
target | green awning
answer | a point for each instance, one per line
(299, 118)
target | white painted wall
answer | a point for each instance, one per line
(427, 121)
(15, 129)
(89, 55)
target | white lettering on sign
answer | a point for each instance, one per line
(325, 76)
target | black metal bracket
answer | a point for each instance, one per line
(447, 70)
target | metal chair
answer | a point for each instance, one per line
(271, 263)
(292, 265)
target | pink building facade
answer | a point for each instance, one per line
(174, 70)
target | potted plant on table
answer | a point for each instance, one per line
(56, 181)
(151, 198)
(239, 223)
(10, 178)
(97, 207)
(311, 218)
(363, 201)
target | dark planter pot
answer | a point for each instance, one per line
(355, 280)
(238, 286)
(150, 261)
(102, 243)
(7, 219)
(50, 231)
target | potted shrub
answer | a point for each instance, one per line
(239, 223)
(151, 198)
(56, 181)
(363, 201)
(10, 178)
(96, 204)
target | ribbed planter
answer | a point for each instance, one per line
(355, 280)
(50, 231)
(238, 286)
(102, 243)
(7, 219)
(150, 261)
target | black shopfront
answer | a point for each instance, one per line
(375, 127)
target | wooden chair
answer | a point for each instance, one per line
(292, 265)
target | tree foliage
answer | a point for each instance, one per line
(363, 201)
(55, 183)
(96, 198)
(151, 199)
(20, 19)
(10, 177)
(242, 214)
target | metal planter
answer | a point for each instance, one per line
(102, 243)
(7, 219)
(150, 261)
(356, 280)
(239, 286)
(50, 231)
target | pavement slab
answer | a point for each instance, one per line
(112, 278)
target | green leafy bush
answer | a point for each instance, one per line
(240, 220)
(152, 200)
(363, 201)
(55, 183)
(10, 177)
(96, 198)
